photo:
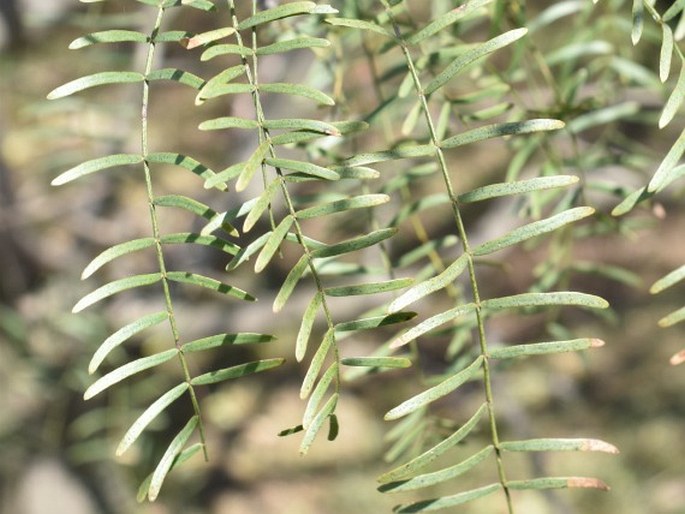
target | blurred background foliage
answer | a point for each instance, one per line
(56, 452)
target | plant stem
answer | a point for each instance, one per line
(156, 231)
(461, 230)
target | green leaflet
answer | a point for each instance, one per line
(534, 229)
(115, 287)
(673, 318)
(185, 277)
(446, 20)
(431, 285)
(448, 501)
(558, 445)
(576, 51)
(404, 152)
(306, 326)
(437, 477)
(231, 49)
(360, 25)
(251, 166)
(273, 242)
(297, 90)
(240, 370)
(170, 454)
(464, 60)
(207, 37)
(668, 169)
(261, 205)
(557, 483)
(122, 335)
(291, 280)
(318, 394)
(297, 43)
(127, 370)
(316, 364)
(248, 251)
(148, 415)
(377, 362)
(108, 36)
(277, 13)
(545, 299)
(185, 162)
(374, 322)
(207, 343)
(94, 80)
(524, 350)
(502, 129)
(216, 219)
(602, 116)
(228, 122)
(666, 52)
(555, 12)
(369, 288)
(302, 124)
(410, 468)
(305, 168)
(668, 280)
(310, 433)
(357, 202)
(516, 188)
(178, 460)
(354, 244)
(431, 323)
(176, 75)
(436, 392)
(94, 165)
(638, 21)
(116, 251)
(675, 100)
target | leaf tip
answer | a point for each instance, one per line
(678, 358)
(597, 445)
(596, 343)
(585, 482)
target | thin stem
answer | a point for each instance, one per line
(171, 316)
(299, 233)
(461, 230)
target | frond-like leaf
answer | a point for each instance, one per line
(102, 163)
(436, 392)
(150, 414)
(115, 287)
(122, 335)
(185, 277)
(127, 370)
(216, 341)
(170, 454)
(97, 79)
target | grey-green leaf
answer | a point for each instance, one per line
(356, 202)
(297, 90)
(215, 341)
(377, 362)
(115, 287)
(448, 501)
(122, 335)
(277, 13)
(170, 454)
(305, 168)
(409, 469)
(148, 415)
(291, 280)
(668, 280)
(664, 173)
(354, 244)
(516, 188)
(433, 322)
(534, 229)
(316, 364)
(502, 129)
(559, 445)
(524, 350)
(306, 326)
(545, 299)
(436, 392)
(251, 166)
(94, 165)
(97, 79)
(316, 424)
(237, 371)
(293, 44)
(273, 243)
(108, 36)
(318, 394)
(464, 60)
(127, 370)
(675, 100)
(186, 277)
(369, 288)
